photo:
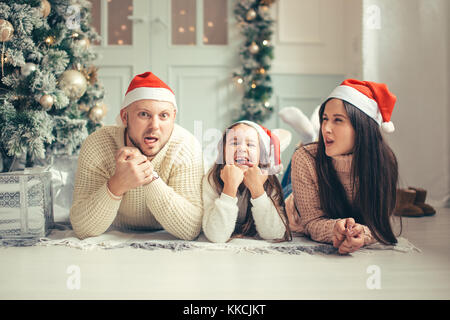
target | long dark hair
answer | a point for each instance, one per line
(374, 176)
(272, 183)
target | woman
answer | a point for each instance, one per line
(344, 186)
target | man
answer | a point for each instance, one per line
(142, 175)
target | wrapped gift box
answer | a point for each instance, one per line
(26, 208)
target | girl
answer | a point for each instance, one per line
(241, 193)
(344, 185)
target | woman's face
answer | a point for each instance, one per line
(337, 131)
(242, 146)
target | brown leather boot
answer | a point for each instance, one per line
(405, 204)
(421, 195)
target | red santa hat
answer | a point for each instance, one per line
(148, 86)
(374, 99)
(271, 144)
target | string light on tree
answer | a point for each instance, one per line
(238, 79)
(50, 40)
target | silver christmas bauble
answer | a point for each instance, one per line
(46, 101)
(27, 69)
(73, 83)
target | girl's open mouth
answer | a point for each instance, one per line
(243, 161)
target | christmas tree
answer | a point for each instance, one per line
(50, 98)
(256, 54)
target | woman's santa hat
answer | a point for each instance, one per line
(271, 144)
(147, 86)
(374, 99)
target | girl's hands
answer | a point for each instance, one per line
(254, 180)
(348, 235)
(232, 176)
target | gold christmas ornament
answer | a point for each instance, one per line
(73, 83)
(6, 30)
(264, 8)
(45, 8)
(98, 112)
(251, 14)
(46, 101)
(253, 48)
(27, 69)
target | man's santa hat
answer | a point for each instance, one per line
(271, 144)
(374, 99)
(147, 86)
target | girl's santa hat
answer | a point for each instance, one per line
(147, 86)
(271, 144)
(374, 99)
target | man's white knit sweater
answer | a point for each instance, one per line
(172, 202)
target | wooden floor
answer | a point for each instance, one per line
(46, 272)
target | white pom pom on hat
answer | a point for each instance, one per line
(374, 99)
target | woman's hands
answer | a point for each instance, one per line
(348, 235)
(253, 178)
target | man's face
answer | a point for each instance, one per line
(149, 125)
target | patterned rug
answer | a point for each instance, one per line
(114, 239)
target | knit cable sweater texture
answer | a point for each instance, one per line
(172, 202)
(310, 219)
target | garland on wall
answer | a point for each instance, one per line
(256, 54)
